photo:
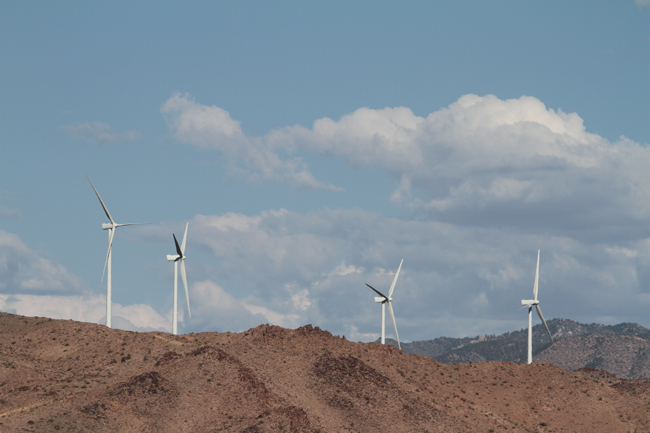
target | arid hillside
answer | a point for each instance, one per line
(68, 376)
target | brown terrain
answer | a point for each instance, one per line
(69, 376)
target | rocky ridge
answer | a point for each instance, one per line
(70, 377)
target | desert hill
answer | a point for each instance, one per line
(69, 376)
(622, 349)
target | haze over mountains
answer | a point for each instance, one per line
(622, 349)
(59, 375)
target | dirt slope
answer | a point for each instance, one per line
(70, 376)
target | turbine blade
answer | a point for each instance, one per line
(178, 249)
(108, 252)
(392, 316)
(184, 239)
(101, 201)
(535, 287)
(377, 291)
(187, 294)
(392, 286)
(539, 313)
(131, 224)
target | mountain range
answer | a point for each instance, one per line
(622, 349)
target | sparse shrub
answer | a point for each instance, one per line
(543, 424)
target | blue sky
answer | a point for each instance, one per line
(313, 145)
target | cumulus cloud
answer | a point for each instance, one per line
(33, 285)
(211, 127)
(26, 271)
(217, 310)
(486, 161)
(481, 161)
(291, 268)
(85, 308)
(98, 133)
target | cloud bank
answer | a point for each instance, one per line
(292, 268)
(481, 161)
(33, 285)
(486, 182)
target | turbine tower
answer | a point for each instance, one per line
(383, 300)
(108, 263)
(179, 257)
(529, 303)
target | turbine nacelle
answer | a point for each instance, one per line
(529, 302)
(107, 226)
(382, 300)
(173, 258)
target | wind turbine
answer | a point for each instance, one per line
(179, 257)
(529, 303)
(383, 299)
(107, 264)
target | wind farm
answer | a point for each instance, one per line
(313, 146)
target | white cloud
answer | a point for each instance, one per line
(642, 3)
(85, 308)
(98, 133)
(26, 271)
(33, 285)
(485, 161)
(216, 310)
(211, 127)
(481, 161)
(291, 269)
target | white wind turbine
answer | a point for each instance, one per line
(529, 303)
(383, 299)
(107, 264)
(179, 257)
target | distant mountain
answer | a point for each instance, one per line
(622, 349)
